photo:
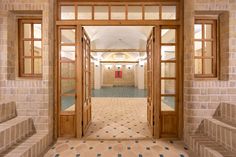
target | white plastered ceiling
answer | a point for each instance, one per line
(118, 37)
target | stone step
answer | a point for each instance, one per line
(221, 132)
(7, 111)
(33, 146)
(204, 146)
(226, 112)
(15, 130)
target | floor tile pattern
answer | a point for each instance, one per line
(119, 118)
(119, 92)
(118, 148)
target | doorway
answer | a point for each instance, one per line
(119, 89)
(160, 38)
(73, 107)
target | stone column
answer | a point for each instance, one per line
(97, 76)
(140, 76)
(188, 60)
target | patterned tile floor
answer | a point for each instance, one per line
(118, 148)
(119, 129)
(118, 118)
(119, 92)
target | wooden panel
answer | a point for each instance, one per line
(86, 64)
(169, 125)
(67, 125)
(150, 93)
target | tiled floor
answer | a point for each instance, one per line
(118, 118)
(116, 148)
(119, 129)
(119, 92)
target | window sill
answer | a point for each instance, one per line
(28, 78)
(202, 78)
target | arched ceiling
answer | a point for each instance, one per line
(118, 37)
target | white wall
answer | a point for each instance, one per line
(97, 76)
(140, 76)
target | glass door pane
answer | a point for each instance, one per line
(168, 69)
(67, 69)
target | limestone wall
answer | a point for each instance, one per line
(109, 76)
(33, 97)
(203, 97)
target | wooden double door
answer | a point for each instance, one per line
(74, 81)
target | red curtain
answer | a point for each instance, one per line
(118, 74)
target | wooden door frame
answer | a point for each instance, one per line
(157, 109)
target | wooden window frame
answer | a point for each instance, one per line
(114, 4)
(213, 20)
(21, 40)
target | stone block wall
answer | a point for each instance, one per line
(109, 76)
(203, 97)
(7, 111)
(33, 97)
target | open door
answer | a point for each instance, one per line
(153, 80)
(86, 98)
(150, 94)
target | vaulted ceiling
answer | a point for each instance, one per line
(118, 37)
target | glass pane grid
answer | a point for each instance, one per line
(203, 62)
(168, 69)
(118, 12)
(32, 48)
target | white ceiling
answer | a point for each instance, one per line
(118, 37)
